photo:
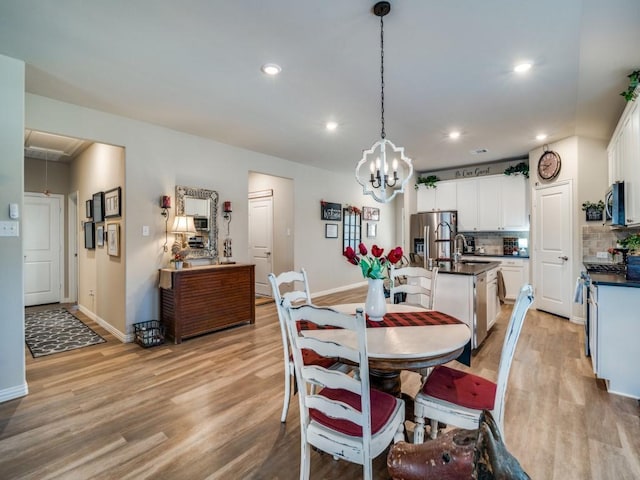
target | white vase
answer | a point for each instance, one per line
(375, 305)
(177, 265)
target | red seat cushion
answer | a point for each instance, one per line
(382, 407)
(309, 357)
(461, 388)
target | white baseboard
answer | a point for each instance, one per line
(124, 338)
(339, 289)
(14, 392)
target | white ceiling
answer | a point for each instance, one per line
(195, 67)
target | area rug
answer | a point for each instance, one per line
(55, 331)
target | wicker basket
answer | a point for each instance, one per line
(149, 334)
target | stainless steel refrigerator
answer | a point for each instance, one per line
(432, 235)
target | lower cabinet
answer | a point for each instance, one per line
(204, 299)
(516, 274)
(614, 330)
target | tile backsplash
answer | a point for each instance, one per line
(599, 238)
(494, 243)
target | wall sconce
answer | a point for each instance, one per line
(226, 209)
(165, 205)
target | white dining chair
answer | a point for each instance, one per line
(458, 398)
(417, 283)
(293, 287)
(343, 417)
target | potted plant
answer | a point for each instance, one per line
(593, 210)
(178, 260)
(429, 182)
(632, 242)
(521, 168)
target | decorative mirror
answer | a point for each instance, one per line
(202, 205)
(351, 229)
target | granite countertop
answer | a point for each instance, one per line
(613, 279)
(488, 255)
(468, 267)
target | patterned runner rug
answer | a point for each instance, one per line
(55, 331)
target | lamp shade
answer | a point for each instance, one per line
(183, 224)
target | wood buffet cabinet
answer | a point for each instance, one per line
(207, 298)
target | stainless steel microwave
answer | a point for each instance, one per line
(614, 204)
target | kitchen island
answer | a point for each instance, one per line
(468, 291)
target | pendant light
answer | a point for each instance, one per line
(383, 156)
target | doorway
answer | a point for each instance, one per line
(43, 239)
(553, 248)
(261, 241)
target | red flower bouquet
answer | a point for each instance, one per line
(373, 265)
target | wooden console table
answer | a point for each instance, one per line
(203, 299)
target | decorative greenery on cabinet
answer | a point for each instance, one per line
(521, 168)
(630, 93)
(429, 182)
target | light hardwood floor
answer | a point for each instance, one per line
(210, 409)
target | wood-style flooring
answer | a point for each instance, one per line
(209, 408)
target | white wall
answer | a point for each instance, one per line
(157, 159)
(12, 349)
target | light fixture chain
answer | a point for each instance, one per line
(382, 134)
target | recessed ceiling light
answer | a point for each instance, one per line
(453, 135)
(331, 126)
(541, 136)
(522, 67)
(271, 69)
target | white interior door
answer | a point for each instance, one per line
(42, 248)
(261, 240)
(553, 249)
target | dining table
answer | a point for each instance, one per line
(407, 338)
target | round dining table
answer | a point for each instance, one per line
(436, 338)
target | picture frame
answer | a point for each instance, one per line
(89, 235)
(98, 207)
(371, 213)
(331, 230)
(372, 230)
(100, 236)
(89, 209)
(331, 211)
(112, 202)
(113, 239)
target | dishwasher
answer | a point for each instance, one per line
(480, 307)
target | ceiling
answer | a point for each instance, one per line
(195, 67)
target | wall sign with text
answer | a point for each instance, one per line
(330, 211)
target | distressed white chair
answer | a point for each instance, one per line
(413, 281)
(298, 292)
(454, 397)
(341, 415)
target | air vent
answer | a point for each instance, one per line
(478, 151)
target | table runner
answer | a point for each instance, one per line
(409, 319)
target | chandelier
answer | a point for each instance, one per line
(384, 178)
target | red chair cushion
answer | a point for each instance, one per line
(461, 388)
(382, 407)
(309, 357)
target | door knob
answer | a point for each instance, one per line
(564, 257)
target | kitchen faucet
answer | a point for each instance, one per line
(457, 256)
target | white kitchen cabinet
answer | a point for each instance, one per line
(443, 197)
(467, 204)
(493, 203)
(515, 272)
(615, 332)
(624, 158)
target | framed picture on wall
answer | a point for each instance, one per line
(89, 235)
(112, 199)
(331, 230)
(113, 239)
(330, 211)
(100, 236)
(371, 213)
(372, 230)
(89, 209)
(98, 207)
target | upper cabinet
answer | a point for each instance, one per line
(624, 158)
(443, 197)
(493, 203)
